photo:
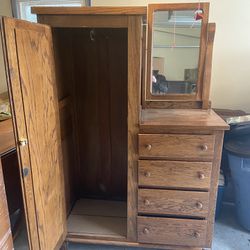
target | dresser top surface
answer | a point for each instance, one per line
(134, 10)
(182, 119)
(7, 140)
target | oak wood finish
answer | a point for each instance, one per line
(175, 174)
(135, 10)
(62, 43)
(208, 65)
(98, 219)
(177, 104)
(102, 137)
(98, 86)
(30, 55)
(129, 244)
(180, 119)
(203, 40)
(5, 230)
(134, 78)
(181, 147)
(219, 136)
(6, 136)
(10, 57)
(173, 202)
(185, 232)
(80, 21)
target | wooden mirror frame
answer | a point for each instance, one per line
(163, 101)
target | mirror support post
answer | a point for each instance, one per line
(208, 66)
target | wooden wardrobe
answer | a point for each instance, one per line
(101, 162)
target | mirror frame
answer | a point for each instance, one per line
(149, 99)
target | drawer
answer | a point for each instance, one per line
(174, 174)
(181, 232)
(190, 147)
(173, 202)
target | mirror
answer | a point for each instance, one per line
(175, 52)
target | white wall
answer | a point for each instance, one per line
(231, 61)
(5, 10)
(176, 60)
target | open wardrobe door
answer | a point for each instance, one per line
(30, 71)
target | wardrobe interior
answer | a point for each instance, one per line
(92, 74)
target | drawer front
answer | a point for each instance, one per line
(181, 232)
(173, 202)
(194, 147)
(174, 174)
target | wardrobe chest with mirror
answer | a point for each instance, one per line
(116, 140)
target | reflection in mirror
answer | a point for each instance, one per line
(175, 54)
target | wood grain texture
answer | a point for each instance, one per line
(208, 65)
(125, 243)
(121, 243)
(135, 10)
(183, 119)
(62, 43)
(219, 136)
(185, 232)
(175, 174)
(86, 21)
(98, 219)
(6, 136)
(134, 80)
(13, 79)
(5, 229)
(30, 55)
(180, 147)
(172, 104)
(8, 245)
(100, 103)
(173, 202)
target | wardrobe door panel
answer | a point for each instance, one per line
(31, 76)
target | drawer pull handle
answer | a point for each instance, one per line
(146, 202)
(199, 205)
(145, 230)
(204, 147)
(201, 176)
(147, 174)
(148, 147)
(197, 234)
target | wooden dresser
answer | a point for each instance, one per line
(7, 144)
(178, 175)
(111, 150)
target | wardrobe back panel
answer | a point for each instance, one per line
(100, 67)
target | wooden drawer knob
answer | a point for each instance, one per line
(199, 205)
(204, 147)
(201, 176)
(146, 202)
(147, 174)
(148, 147)
(197, 234)
(145, 230)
